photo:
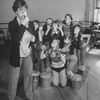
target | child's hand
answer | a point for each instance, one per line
(81, 39)
(70, 74)
(40, 28)
(48, 27)
(84, 45)
(63, 58)
(53, 54)
(60, 27)
(32, 38)
(65, 49)
(43, 47)
(25, 21)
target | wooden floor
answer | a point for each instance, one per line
(93, 61)
(90, 89)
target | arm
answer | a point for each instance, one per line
(40, 34)
(61, 30)
(65, 49)
(16, 32)
(48, 29)
(88, 39)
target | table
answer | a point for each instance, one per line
(95, 38)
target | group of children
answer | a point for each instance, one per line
(60, 47)
(57, 45)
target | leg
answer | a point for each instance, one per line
(13, 80)
(43, 65)
(63, 78)
(38, 58)
(20, 80)
(28, 66)
(78, 52)
(48, 65)
(72, 62)
(83, 53)
(55, 78)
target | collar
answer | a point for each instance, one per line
(19, 21)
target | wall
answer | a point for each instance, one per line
(42, 9)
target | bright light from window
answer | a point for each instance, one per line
(98, 64)
(97, 15)
(94, 51)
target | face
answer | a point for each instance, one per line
(36, 25)
(68, 20)
(54, 26)
(21, 12)
(76, 31)
(40, 28)
(49, 22)
(54, 43)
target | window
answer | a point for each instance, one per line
(97, 11)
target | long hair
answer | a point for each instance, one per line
(77, 43)
(45, 25)
(70, 18)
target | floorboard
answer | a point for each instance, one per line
(90, 89)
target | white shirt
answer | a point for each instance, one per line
(25, 50)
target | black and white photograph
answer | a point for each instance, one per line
(49, 49)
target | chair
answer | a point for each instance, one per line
(95, 38)
(2, 37)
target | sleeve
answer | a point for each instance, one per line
(16, 32)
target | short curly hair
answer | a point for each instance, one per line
(19, 3)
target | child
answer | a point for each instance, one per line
(58, 64)
(57, 33)
(67, 24)
(78, 43)
(47, 30)
(68, 50)
(43, 55)
(46, 40)
(21, 31)
(37, 47)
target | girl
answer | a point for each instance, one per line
(46, 41)
(67, 24)
(78, 42)
(36, 24)
(41, 50)
(37, 45)
(57, 32)
(47, 30)
(71, 59)
(58, 64)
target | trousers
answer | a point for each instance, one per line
(14, 73)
